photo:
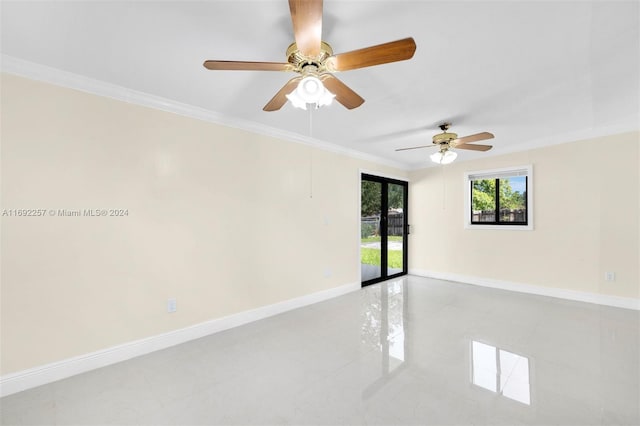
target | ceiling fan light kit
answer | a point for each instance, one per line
(443, 157)
(314, 60)
(310, 91)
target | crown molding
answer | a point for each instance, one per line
(34, 71)
(630, 124)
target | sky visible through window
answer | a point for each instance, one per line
(518, 183)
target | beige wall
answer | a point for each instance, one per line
(586, 222)
(219, 218)
(222, 220)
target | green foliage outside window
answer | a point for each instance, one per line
(371, 197)
(484, 196)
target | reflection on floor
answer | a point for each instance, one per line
(370, 272)
(500, 371)
(410, 351)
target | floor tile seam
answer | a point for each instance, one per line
(508, 379)
(566, 366)
(157, 396)
(62, 399)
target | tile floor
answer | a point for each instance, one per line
(411, 351)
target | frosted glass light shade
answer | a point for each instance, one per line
(296, 100)
(310, 90)
(445, 157)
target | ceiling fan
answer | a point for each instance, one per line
(314, 61)
(445, 141)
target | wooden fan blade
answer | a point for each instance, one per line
(415, 147)
(473, 138)
(306, 16)
(474, 147)
(344, 94)
(281, 97)
(394, 51)
(247, 66)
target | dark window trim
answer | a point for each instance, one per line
(384, 181)
(497, 208)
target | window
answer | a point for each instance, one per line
(499, 199)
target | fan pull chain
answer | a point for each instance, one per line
(444, 188)
(311, 153)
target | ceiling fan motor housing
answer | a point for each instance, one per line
(300, 61)
(444, 138)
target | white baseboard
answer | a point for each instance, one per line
(26, 379)
(600, 299)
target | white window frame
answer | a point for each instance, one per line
(497, 173)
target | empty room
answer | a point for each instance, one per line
(354, 212)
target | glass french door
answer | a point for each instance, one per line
(383, 228)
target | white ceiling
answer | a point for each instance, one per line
(533, 73)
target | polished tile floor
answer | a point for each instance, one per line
(411, 351)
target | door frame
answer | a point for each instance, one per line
(384, 179)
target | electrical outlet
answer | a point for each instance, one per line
(327, 272)
(609, 276)
(171, 305)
